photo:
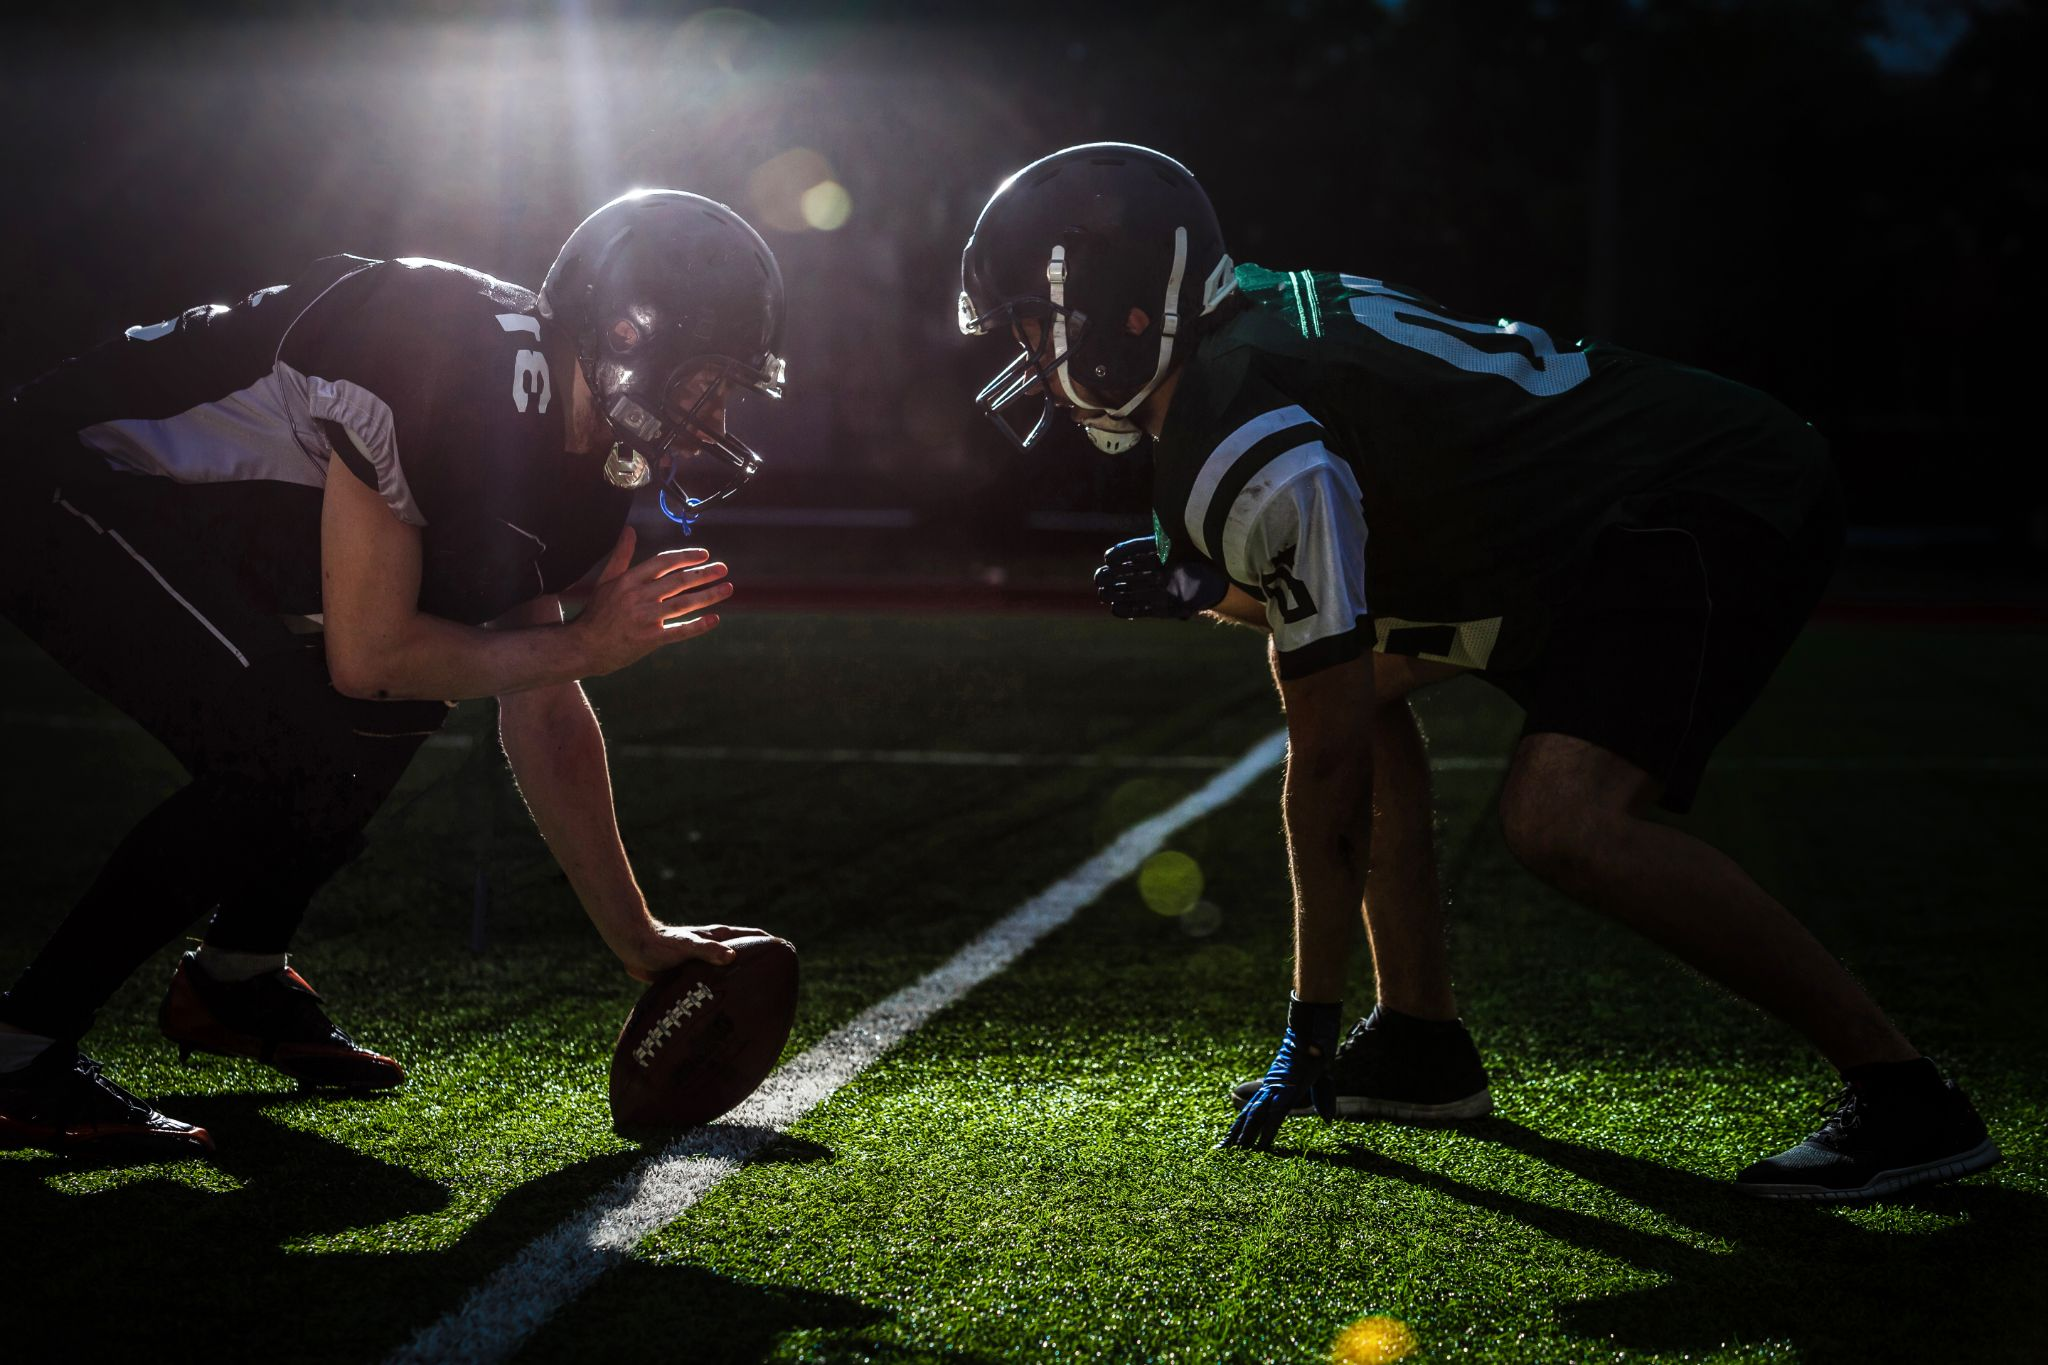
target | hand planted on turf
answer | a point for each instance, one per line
(1300, 1071)
(1133, 584)
(671, 945)
(635, 609)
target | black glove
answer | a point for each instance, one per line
(1134, 584)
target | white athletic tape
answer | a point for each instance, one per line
(502, 1313)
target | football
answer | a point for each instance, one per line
(702, 1037)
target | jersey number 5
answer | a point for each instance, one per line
(530, 379)
(1519, 352)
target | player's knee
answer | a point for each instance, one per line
(1549, 831)
(307, 808)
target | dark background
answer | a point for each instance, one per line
(1841, 203)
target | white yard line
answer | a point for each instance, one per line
(502, 1313)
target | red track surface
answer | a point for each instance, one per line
(974, 598)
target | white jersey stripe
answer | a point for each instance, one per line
(1251, 503)
(252, 433)
(1223, 457)
(372, 429)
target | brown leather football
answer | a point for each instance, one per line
(703, 1037)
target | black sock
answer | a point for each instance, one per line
(1890, 1078)
(1397, 1022)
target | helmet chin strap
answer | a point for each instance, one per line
(1169, 324)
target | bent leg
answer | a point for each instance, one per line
(160, 878)
(100, 573)
(1574, 814)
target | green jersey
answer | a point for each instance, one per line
(1383, 473)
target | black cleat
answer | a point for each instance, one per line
(1407, 1070)
(1878, 1142)
(275, 1018)
(61, 1103)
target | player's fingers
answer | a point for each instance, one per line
(668, 561)
(622, 555)
(691, 944)
(726, 931)
(675, 632)
(689, 603)
(683, 580)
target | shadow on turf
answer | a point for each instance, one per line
(1802, 1273)
(163, 1246)
(684, 1312)
(776, 1148)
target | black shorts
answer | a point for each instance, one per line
(1677, 625)
(110, 578)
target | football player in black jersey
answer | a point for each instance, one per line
(1400, 494)
(286, 535)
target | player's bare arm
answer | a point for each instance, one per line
(556, 747)
(1240, 608)
(381, 646)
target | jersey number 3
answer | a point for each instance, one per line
(530, 378)
(1516, 351)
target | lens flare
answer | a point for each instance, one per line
(1170, 883)
(779, 187)
(826, 205)
(1373, 1341)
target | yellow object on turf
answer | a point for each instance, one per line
(1170, 883)
(1373, 1341)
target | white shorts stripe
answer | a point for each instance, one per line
(162, 582)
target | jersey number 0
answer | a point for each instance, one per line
(1519, 352)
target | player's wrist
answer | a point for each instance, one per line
(1314, 1022)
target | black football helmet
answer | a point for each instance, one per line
(676, 307)
(1074, 242)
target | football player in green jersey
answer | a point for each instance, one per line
(1400, 494)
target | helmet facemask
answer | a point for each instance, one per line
(1032, 373)
(675, 305)
(683, 440)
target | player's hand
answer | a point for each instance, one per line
(1134, 584)
(1300, 1072)
(671, 945)
(635, 609)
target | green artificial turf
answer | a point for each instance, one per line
(1029, 1177)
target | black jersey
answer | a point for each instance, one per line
(1382, 473)
(429, 380)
